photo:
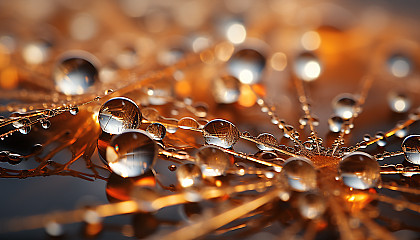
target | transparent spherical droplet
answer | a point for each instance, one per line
(399, 102)
(221, 133)
(45, 123)
(335, 123)
(311, 205)
(119, 114)
(300, 174)
(188, 123)
(131, 153)
(401, 133)
(74, 110)
(23, 125)
(307, 67)
(359, 170)
(411, 148)
(345, 106)
(226, 89)
(268, 139)
(157, 131)
(74, 75)
(366, 137)
(189, 175)
(382, 139)
(399, 65)
(247, 66)
(102, 143)
(54, 229)
(213, 161)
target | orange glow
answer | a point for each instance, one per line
(183, 88)
(9, 78)
(247, 97)
(358, 199)
(147, 182)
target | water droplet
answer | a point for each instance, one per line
(131, 153)
(268, 139)
(300, 174)
(45, 123)
(359, 170)
(172, 167)
(54, 229)
(399, 102)
(74, 110)
(160, 91)
(213, 161)
(226, 89)
(189, 175)
(411, 148)
(366, 137)
(36, 52)
(307, 67)
(109, 91)
(399, 65)
(247, 66)
(119, 114)
(157, 131)
(23, 125)
(74, 75)
(200, 110)
(345, 106)
(382, 139)
(103, 142)
(311, 205)
(335, 123)
(221, 133)
(188, 123)
(401, 133)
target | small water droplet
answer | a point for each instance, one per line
(157, 131)
(268, 139)
(382, 139)
(226, 89)
(399, 102)
(335, 123)
(311, 205)
(213, 161)
(188, 123)
(172, 167)
(45, 123)
(189, 175)
(108, 91)
(399, 65)
(307, 67)
(345, 106)
(74, 110)
(411, 148)
(119, 114)
(221, 133)
(366, 137)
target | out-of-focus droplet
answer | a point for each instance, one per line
(382, 139)
(83, 26)
(23, 124)
(45, 123)
(311, 205)
(226, 89)
(213, 161)
(345, 106)
(131, 153)
(188, 123)
(157, 131)
(411, 148)
(335, 123)
(278, 61)
(403, 132)
(310, 40)
(268, 139)
(36, 52)
(236, 33)
(247, 65)
(54, 229)
(359, 170)
(399, 65)
(399, 102)
(119, 114)
(189, 175)
(300, 174)
(74, 75)
(160, 91)
(221, 133)
(307, 67)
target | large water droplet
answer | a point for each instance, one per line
(221, 133)
(74, 75)
(157, 131)
(307, 67)
(345, 106)
(300, 174)
(359, 170)
(119, 114)
(131, 153)
(226, 89)
(411, 148)
(268, 139)
(247, 66)
(188, 123)
(189, 175)
(213, 161)
(335, 123)
(311, 205)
